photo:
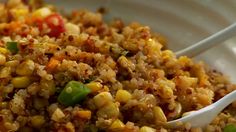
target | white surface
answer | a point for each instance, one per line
(183, 22)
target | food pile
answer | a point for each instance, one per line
(75, 73)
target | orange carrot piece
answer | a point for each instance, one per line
(60, 57)
(52, 64)
(84, 114)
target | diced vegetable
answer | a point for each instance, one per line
(20, 82)
(42, 12)
(73, 93)
(5, 72)
(123, 96)
(102, 99)
(13, 47)
(19, 14)
(147, 129)
(3, 50)
(84, 114)
(11, 126)
(176, 112)
(52, 64)
(56, 24)
(159, 115)
(94, 86)
(58, 115)
(2, 59)
(124, 62)
(12, 63)
(70, 127)
(230, 128)
(3, 105)
(110, 110)
(117, 125)
(72, 28)
(25, 68)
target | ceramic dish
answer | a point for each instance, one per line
(183, 23)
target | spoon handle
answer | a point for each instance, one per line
(225, 101)
(208, 42)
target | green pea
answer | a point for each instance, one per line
(73, 93)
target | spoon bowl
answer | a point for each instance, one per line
(204, 116)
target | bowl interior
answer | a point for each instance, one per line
(182, 22)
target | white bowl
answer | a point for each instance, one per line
(183, 22)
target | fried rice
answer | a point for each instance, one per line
(75, 73)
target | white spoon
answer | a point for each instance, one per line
(204, 116)
(209, 42)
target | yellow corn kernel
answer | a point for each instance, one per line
(3, 50)
(2, 59)
(70, 127)
(105, 88)
(5, 72)
(8, 89)
(72, 28)
(177, 110)
(94, 86)
(123, 96)
(20, 82)
(48, 87)
(159, 115)
(110, 110)
(166, 87)
(22, 12)
(19, 13)
(168, 92)
(124, 62)
(13, 63)
(147, 129)
(102, 99)
(3, 105)
(117, 125)
(11, 126)
(37, 121)
(42, 12)
(84, 114)
(25, 68)
(58, 115)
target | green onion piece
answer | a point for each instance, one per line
(73, 93)
(230, 128)
(12, 46)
